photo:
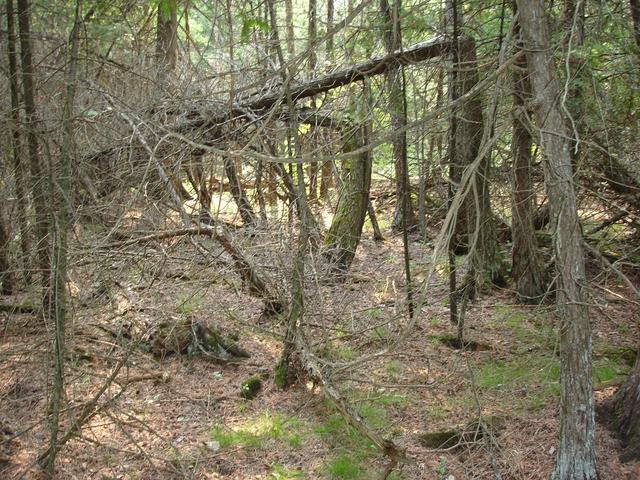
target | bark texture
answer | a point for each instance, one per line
(527, 266)
(343, 236)
(395, 90)
(166, 33)
(475, 228)
(576, 458)
(16, 144)
(627, 410)
(39, 192)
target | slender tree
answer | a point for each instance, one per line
(16, 145)
(635, 16)
(31, 122)
(527, 266)
(390, 14)
(576, 458)
(62, 218)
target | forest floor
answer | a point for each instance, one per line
(169, 416)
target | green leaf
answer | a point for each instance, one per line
(248, 24)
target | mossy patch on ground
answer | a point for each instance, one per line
(262, 429)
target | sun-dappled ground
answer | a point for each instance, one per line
(492, 407)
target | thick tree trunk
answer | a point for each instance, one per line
(16, 146)
(39, 191)
(527, 266)
(475, 226)
(576, 457)
(343, 236)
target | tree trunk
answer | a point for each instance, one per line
(288, 14)
(573, 25)
(344, 234)
(627, 414)
(527, 266)
(635, 15)
(61, 213)
(22, 200)
(6, 276)
(312, 61)
(167, 34)
(39, 192)
(576, 457)
(244, 207)
(397, 108)
(475, 226)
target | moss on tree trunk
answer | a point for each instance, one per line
(343, 236)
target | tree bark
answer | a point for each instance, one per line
(635, 16)
(167, 34)
(576, 458)
(627, 414)
(244, 207)
(61, 213)
(397, 107)
(39, 192)
(475, 226)
(527, 266)
(16, 146)
(311, 63)
(343, 236)
(6, 276)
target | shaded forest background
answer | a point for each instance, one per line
(244, 239)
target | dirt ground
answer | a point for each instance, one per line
(170, 416)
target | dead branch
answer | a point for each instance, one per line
(251, 278)
(387, 446)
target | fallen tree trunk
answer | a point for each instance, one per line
(212, 122)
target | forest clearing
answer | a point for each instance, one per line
(320, 240)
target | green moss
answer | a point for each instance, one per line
(345, 353)
(280, 472)
(345, 467)
(281, 377)
(231, 438)
(250, 387)
(259, 430)
(609, 368)
(522, 370)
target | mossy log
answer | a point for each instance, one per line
(185, 336)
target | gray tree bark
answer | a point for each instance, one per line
(16, 145)
(167, 34)
(343, 236)
(392, 35)
(576, 458)
(39, 192)
(527, 266)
